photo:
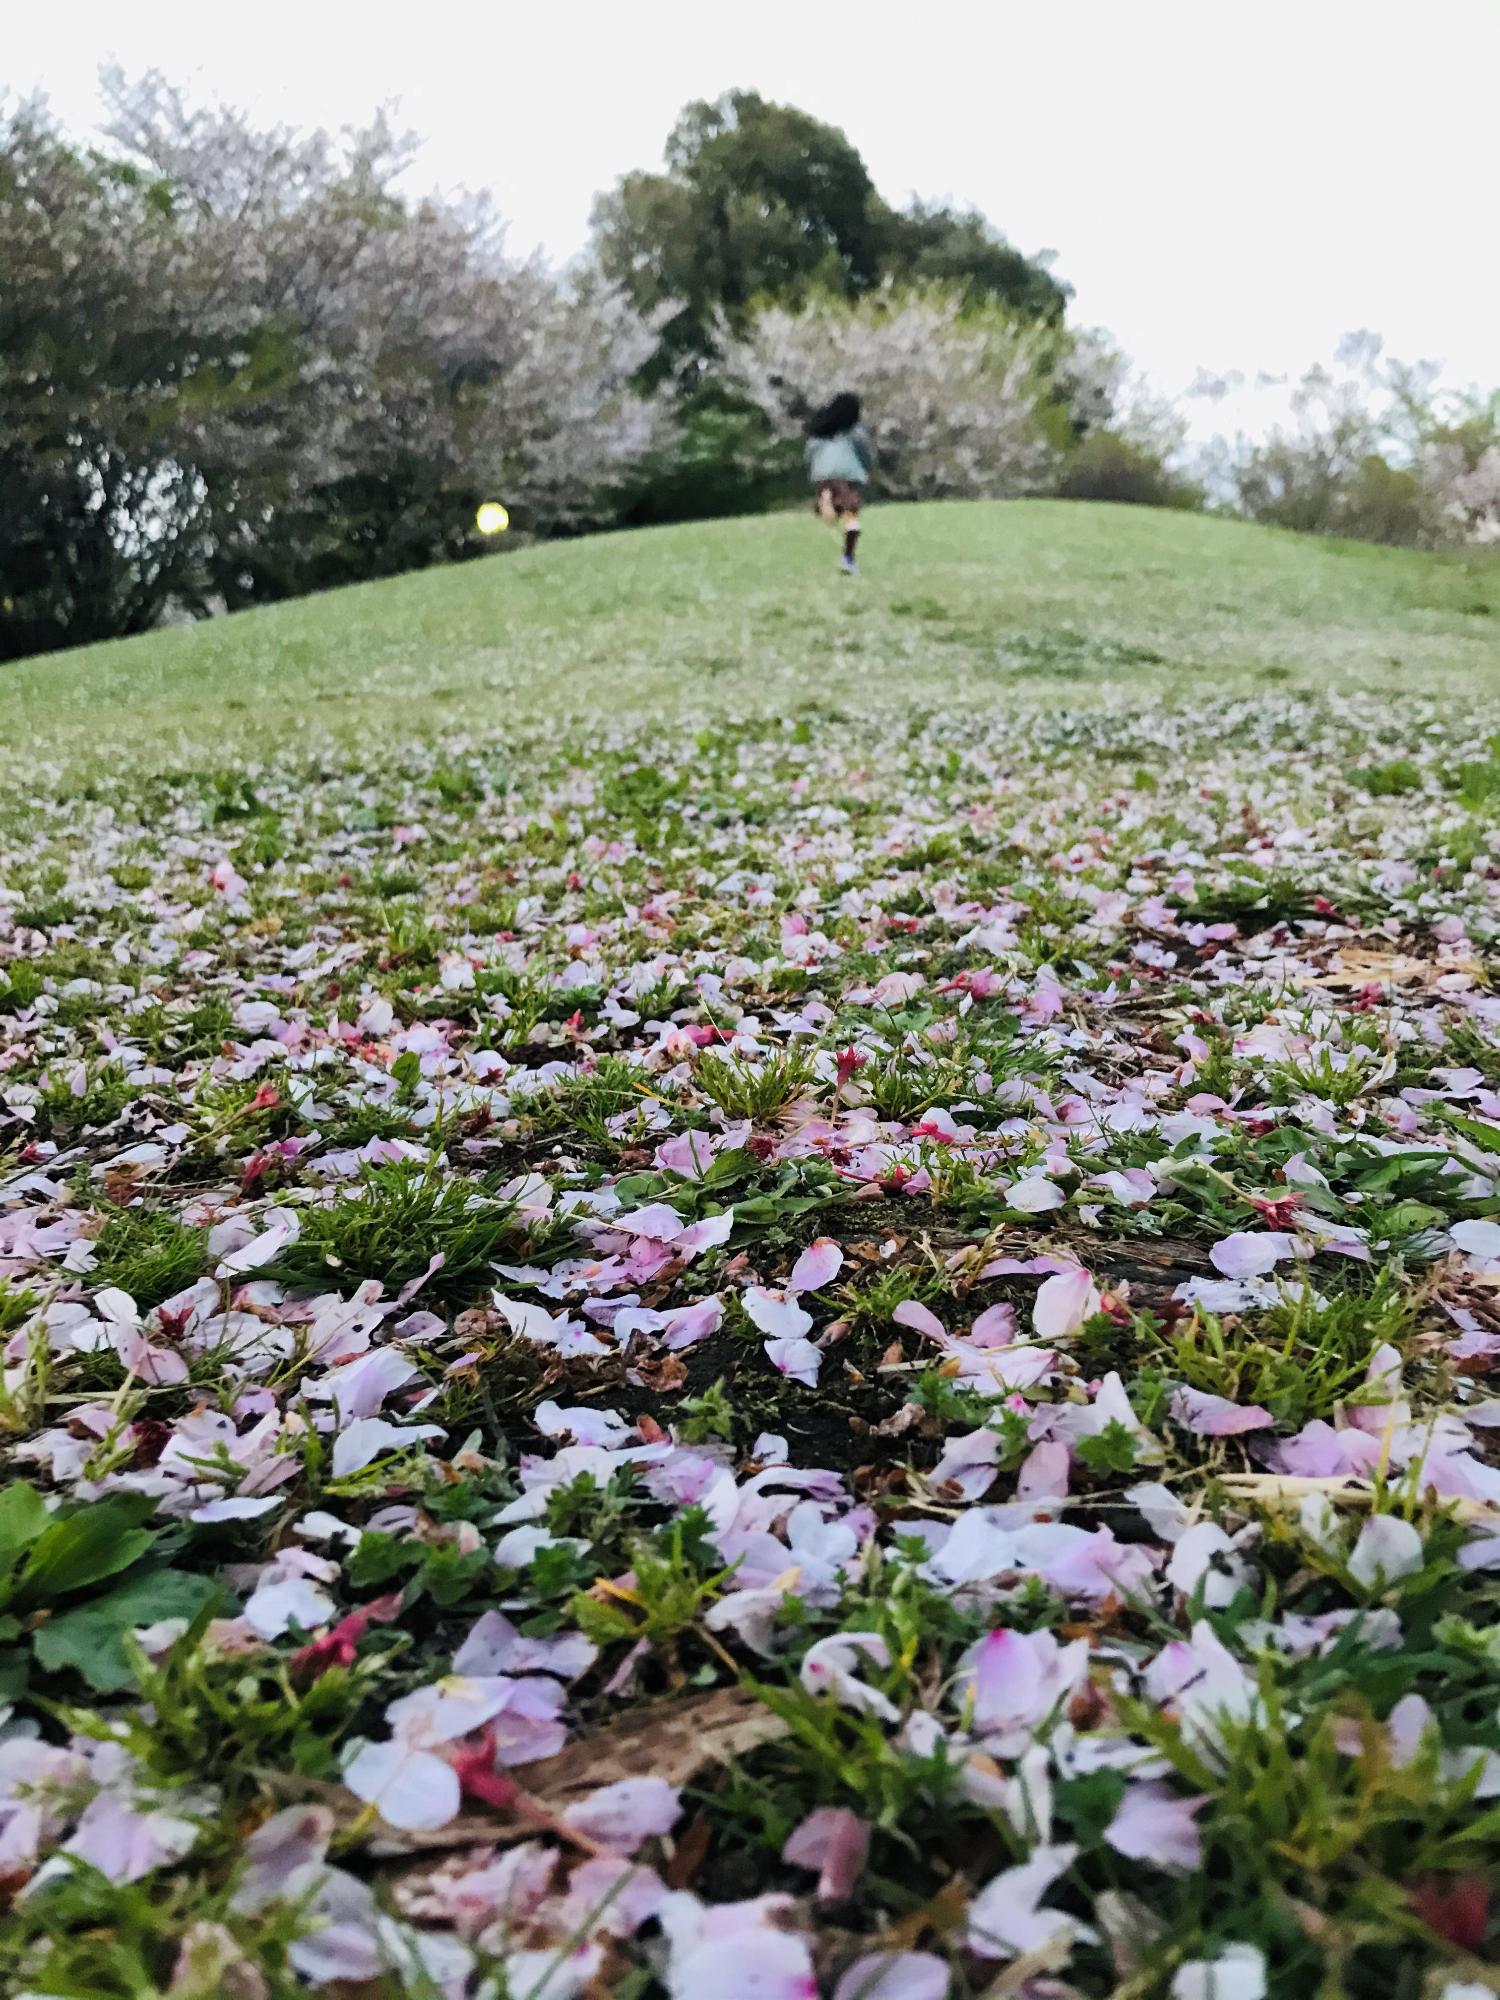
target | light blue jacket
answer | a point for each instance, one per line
(847, 456)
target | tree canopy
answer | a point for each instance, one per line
(237, 364)
(762, 202)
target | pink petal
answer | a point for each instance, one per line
(1033, 1195)
(1477, 1239)
(1007, 1677)
(157, 1366)
(414, 1285)
(1387, 1550)
(409, 1788)
(685, 1325)
(282, 1857)
(495, 1646)
(1023, 1267)
(1004, 1918)
(776, 1313)
(622, 1815)
(658, 1220)
(895, 1975)
(366, 1438)
(272, 1608)
(753, 1964)
(125, 1843)
(1044, 1471)
(819, 1264)
(687, 1153)
(796, 1358)
(235, 1509)
(1318, 1451)
(609, 1893)
(836, 1842)
(1063, 1303)
(1153, 1824)
(1249, 1253)
(917, 1316)
(1217, 1416)
(705, 1235)
(995, 1327)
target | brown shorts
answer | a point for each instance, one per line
(835, 497)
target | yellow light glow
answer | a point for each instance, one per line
(492, 518)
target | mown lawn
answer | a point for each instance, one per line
(971, 603)
(721, 1286)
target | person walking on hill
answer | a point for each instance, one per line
(839, 457)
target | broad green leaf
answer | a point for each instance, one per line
(15, 1669)
(1484, 1135)
(1405, 1218)
(637, 1188)
(725, 1169)
(23, 1516)
(84, 1547)
(91, 1639)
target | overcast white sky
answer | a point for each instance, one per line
(1228, 184)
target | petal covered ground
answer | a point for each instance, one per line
(759, 1361)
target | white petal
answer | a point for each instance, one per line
(1387, 1550)
(409, 1788)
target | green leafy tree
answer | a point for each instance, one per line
(761, 205)
(761, 202)
(933, 244)
(758, 199)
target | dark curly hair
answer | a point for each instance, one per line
(842, 414)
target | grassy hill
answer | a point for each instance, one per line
(958, 603)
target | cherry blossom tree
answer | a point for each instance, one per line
(1461, 476)
(955, 394)
(240, 363)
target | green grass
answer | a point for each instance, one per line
(149, 1254)
(579, 806)
(392, 1222)
(753, 1090)
(957, 601)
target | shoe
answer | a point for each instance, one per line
(846, 564)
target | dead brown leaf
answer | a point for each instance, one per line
(664, 1374)
(882, 1250)
(122, 1184)
(941, 1915)
(478, 1323)
(1015, 1979)
(1381, 965)
(676, 1740)
(689, 1852)
(910, 1416)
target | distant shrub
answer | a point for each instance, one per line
(1384, 503)
(1106, 466)
(725, 459)
(1377, 453)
